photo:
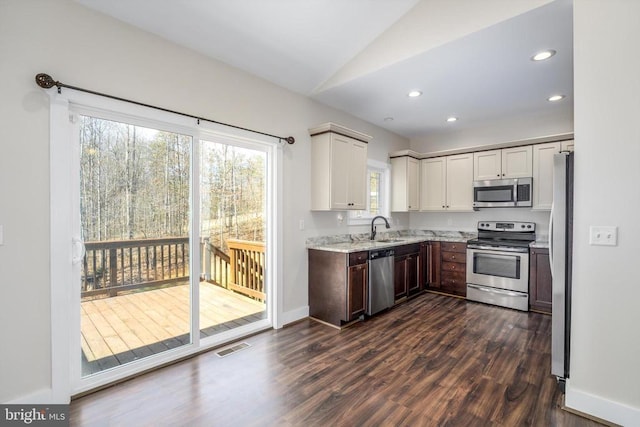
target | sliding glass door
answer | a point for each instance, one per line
(134, 218)
(233, 213)
(172, 227)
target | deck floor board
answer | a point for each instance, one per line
(127, 327)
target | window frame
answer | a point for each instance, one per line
(65, 380)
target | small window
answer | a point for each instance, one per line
(378, 184)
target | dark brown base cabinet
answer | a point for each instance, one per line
(338, 282)
(453, 268)
(540, 291)
(430, 264)
(337, 286)
(446, 267)
(406, 271)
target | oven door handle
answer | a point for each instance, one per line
(497, 291)
(497, 249)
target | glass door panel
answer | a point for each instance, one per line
(134, 214)
(232, 236)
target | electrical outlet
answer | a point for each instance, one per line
(600, 235)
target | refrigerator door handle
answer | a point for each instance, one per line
(551, 240)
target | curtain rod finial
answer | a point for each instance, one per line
(290, 140)
(45, 81)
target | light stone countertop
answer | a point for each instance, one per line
(347, 243)
(542, 244)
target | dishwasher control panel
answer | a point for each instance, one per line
(381, 253)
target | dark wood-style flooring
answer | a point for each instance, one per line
(432, 361)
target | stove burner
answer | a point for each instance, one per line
(504, 234)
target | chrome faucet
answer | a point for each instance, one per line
(373, 227)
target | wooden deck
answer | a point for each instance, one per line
(124, 328)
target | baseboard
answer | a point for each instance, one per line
(295, 315)
(596, 406)
(40, 397)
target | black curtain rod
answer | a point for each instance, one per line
(46, 81)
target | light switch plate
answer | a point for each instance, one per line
(601, 235)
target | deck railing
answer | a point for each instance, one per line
(215, 264)
(247, 267)
(114, 266)
(118, 265)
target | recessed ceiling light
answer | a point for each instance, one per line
(388, 119)
(554, 98)
(414, 94)
(545, 54)
(452, 119)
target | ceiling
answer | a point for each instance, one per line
(470, 59)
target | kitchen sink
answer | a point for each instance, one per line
(389, 240)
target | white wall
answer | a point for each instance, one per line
(86, 49)
(468, 221)
(605, 342)
(555, 121)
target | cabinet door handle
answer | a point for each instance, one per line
(453, 257)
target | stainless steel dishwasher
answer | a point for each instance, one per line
(380, 295)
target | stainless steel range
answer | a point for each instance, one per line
(498, 264)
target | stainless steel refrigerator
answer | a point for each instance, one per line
(560, 254)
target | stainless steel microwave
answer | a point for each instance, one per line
(502, 193)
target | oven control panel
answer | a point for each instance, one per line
(519, 227)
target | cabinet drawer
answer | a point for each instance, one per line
(454, 278)
(454, 247)
(454, 257)
(356, 258)
(454, 282)
(453, 266)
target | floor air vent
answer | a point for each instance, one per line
(232, 349)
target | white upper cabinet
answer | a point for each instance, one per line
(447, 183)
(487, 165)
(405, 179)
(513, 162)
(543, 174)
(357, 178)
(460, 182)
(338, 168)
(567, 145)
(517, 162)
(433, 184)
